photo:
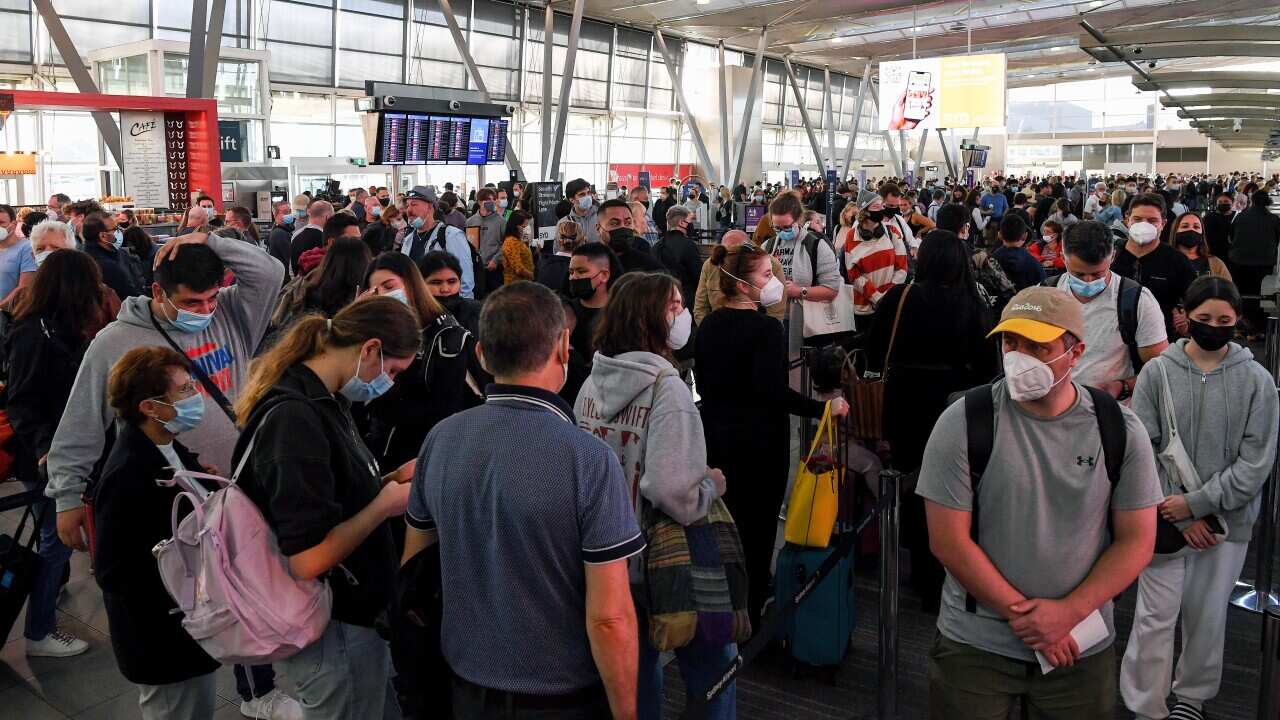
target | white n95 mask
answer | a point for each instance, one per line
(1028, 378)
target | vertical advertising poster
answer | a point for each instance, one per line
(175, 141)
(644, 179)
(961, 91)
(833, 179)
(142, 144)
(795, 178)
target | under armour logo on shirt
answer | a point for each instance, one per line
(1082, 460)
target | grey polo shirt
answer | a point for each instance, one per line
(491, 227)
(523, 500)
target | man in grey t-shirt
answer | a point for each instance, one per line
(1045, 558)
(484, 232)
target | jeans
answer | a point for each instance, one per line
(193, 699)
(342, 675)
(43, 604)
(264, 681)
(700, 666)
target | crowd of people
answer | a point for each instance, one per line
(1071, 353)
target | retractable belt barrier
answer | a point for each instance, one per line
(1260, 595)
(778, 616)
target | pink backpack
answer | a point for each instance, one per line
(225, 571)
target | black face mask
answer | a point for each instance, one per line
(866, 234)
(450, 302)
(581, 288)
(890, 211)
(1188, 238)
(876, 215)
(385, 201)
(1210, 337)
(1224, 207)
(620, 239)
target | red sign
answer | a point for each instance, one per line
(628, 174)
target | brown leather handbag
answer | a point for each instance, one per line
(865, 392)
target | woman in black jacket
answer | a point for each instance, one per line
(321, 492)
(154, 395)
(741, 368)
(941, 347)
(53, 322)
(445, 377)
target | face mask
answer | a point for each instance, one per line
(787, 234)
(620, 238)
(1028, 378)
(489, 206)
(890, 211)
(190, 412)
(515, 193)
(42, 256)
(581, 288)
(759, 199)
(1224, 207)
(117, 238)
(584, 202)
(771, 293)
(287, 219)
(450, 302)
(376, 211)
(1188, 238)
(300, 214)
(502, 204)
(866, 234)
(1210, 337)
(359, 391)
(385, 201)
(4, 234)
(398, 294)
(1086, 289)
(679, 329)
(1143, 232)
(187, 321)
(399, 224)
(417, 223)
(876, 215)
(1130, 189)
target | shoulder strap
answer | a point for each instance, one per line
(205, 381)
(893, 333)
(1112, 429)
(811, 241)
(980, 436)
(1127, 297)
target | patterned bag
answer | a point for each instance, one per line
(695, 580)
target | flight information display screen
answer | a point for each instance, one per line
(417, 139)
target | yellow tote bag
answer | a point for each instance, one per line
(815, 496)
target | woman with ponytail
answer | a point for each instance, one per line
(321, 491)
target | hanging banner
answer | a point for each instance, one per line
(179, 167)
(145, 169)
(960, 91)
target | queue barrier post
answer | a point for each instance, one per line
(887, 662)
(1260, 595)
(1269, 686)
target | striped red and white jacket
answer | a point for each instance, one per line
(873, 266)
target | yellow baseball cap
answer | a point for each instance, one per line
(1041, 314)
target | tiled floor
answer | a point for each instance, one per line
(90, 686)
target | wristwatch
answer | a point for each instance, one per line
(804, 292)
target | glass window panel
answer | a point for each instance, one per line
(300, 24)
(126, 11)
(374, 34)
(632, 42)
(1033, 116)
(1122, 153)
(626, 150)
(429, 11)
(533, 87)
(628, 95)
(628, 126)
(588, 93)
(1168, 154)
(1142, 153)
(629, 70)
(772, 113)
(356, 67)
(591, 66)
(500, 83)
(1095, 157)
(496, 18)
(659, 151)
(1073, 153)
(15, 37)
(349, 142)
(125, 76)
(295, 139)
(90, 35)
(1085, 90)
(1036, 93)
(496, 52)
(438, 74)
(660, 127)
(383, 8)
(287, 105)
(434, 43)
(77, 137)
(594, 36)
(533, 57)
(658, 77)
(299, 64)
(660, 99)
(772, 92)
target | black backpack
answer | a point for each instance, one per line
(1126, 315)
(980, 431)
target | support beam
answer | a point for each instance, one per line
(212, 49)
(956, 157)
(548, 55)
(830, 118)
(446, 7)
(857, 116)
(946, 154)
(195, 52)
(902, 145)
(724, 117)
(669, 60)
(924, 137)
(757, 72)
(804, 115)
(107, 127)
(566, 82)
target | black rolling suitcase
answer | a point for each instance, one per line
(19, 561)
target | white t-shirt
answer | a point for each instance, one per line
(1106, 357)
(171, 456)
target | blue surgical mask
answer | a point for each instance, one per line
(417, 223)
(118, 238)
(1086, 289)
(376, 211)
(359, 391)
(584, 202)
(300, 214)
(398, 294)
(502, 203)
(187, 321)
(287, 219)
(190, 412)
(787, 234)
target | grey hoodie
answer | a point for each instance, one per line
(1228, 420)
(655, 432)
(222, 350)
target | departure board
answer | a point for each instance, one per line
(417, 139)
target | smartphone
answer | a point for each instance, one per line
(919, 84)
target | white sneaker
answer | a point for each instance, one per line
(57, 644)
(275, 705)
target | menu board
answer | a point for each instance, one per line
(142, 140)
(415, 139)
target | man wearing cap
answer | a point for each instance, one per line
(1057, 540)
(584, 211)
(425, 234)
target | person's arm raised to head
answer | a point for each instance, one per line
(614, 634)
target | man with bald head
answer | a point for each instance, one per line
(197, 217)
(312, 235)
(708, 297)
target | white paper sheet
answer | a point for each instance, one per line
(1091, 631)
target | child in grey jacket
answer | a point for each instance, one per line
(1226, 412)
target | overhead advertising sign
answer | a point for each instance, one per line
(960, 91)
(145, 156)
